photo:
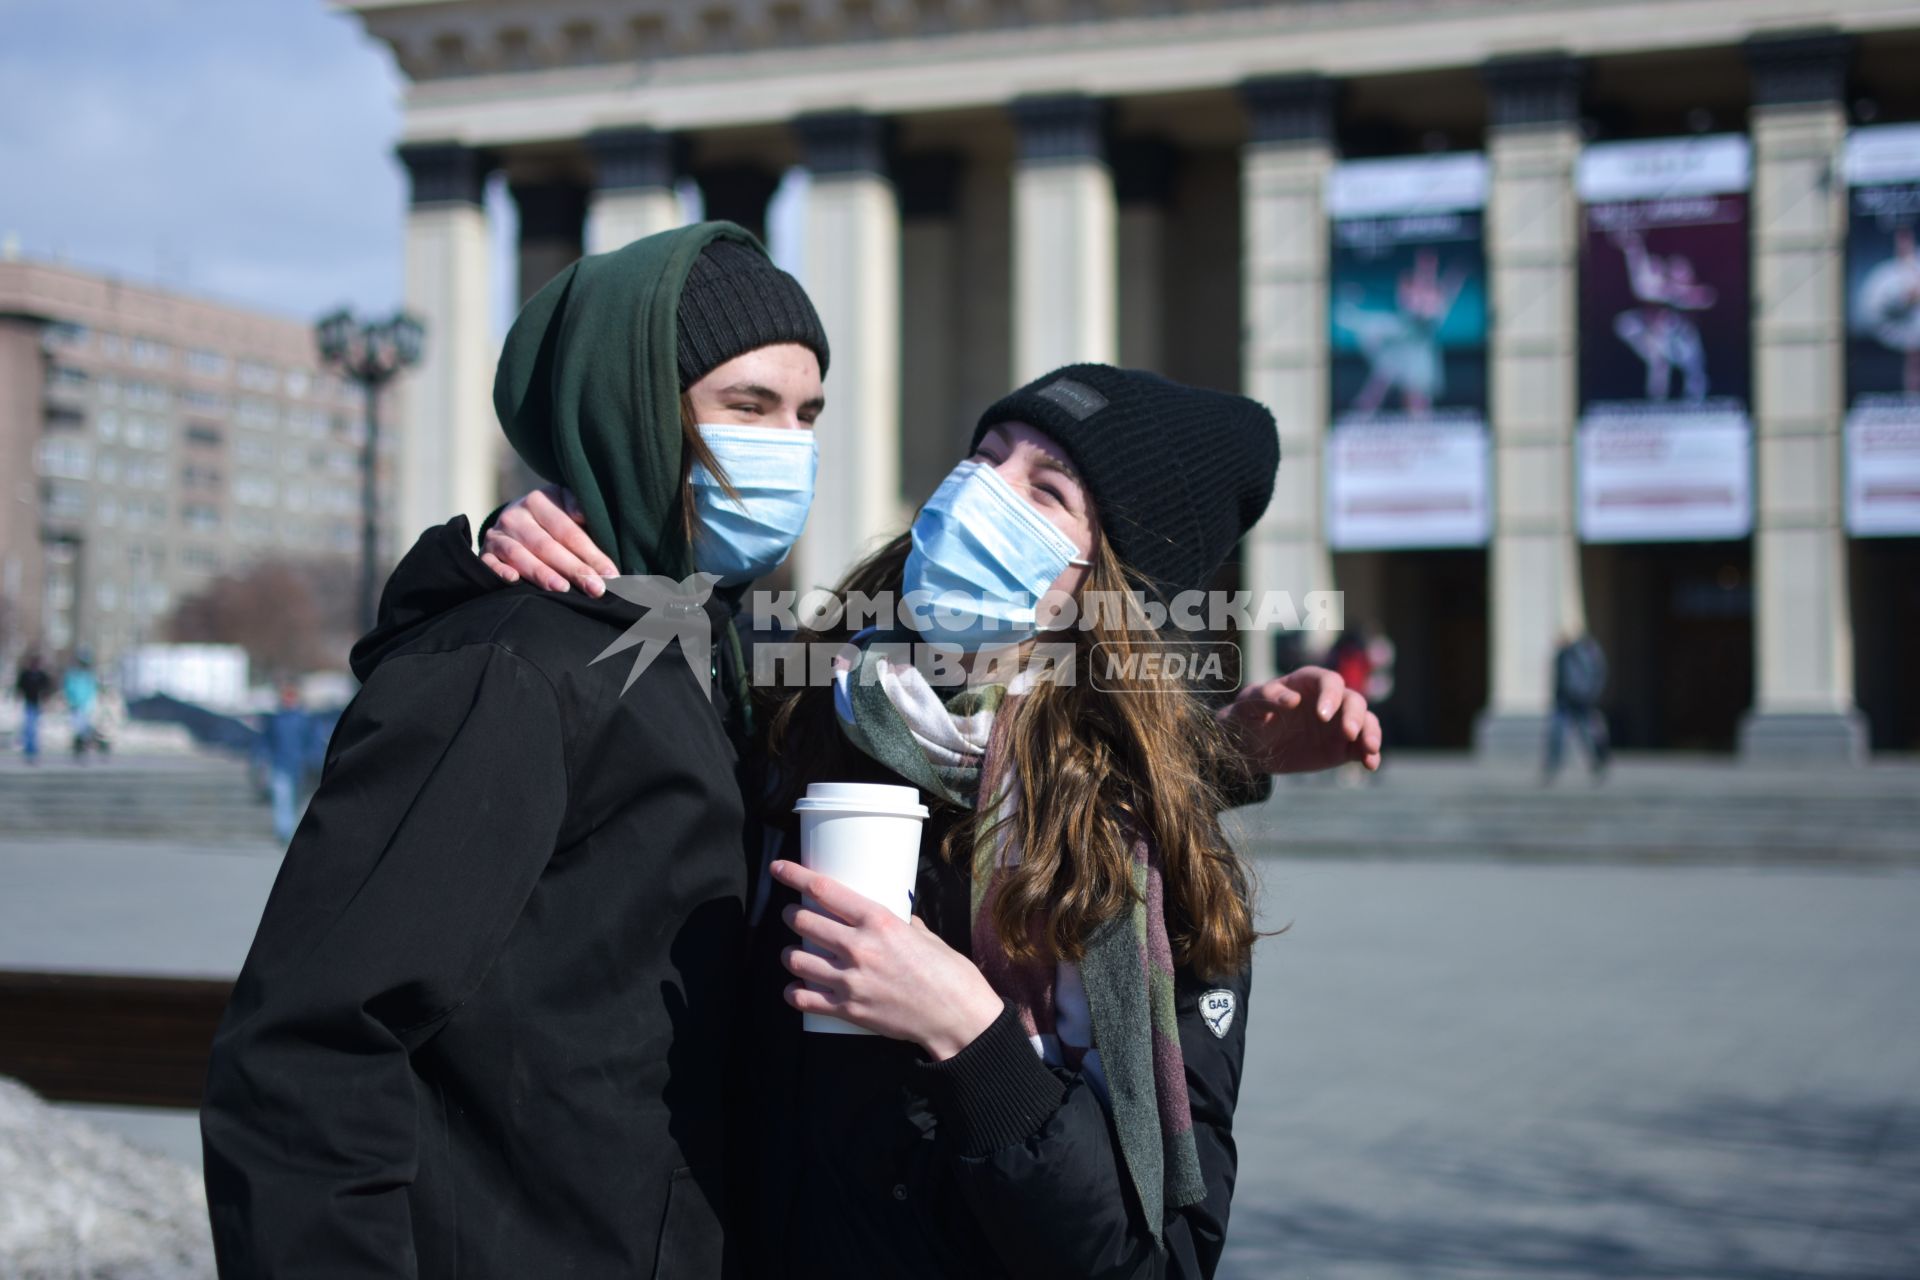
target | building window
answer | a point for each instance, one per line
(204, 401)
(201, 433)
(205, 559)
(208, 364)
(255, 376)
(64, 335)
(299, 382)
(150, 354)
(61, 417)
(107, 596)
(254, 490)
(200, 517)
(65, 377)
(68, 501)
(259, 413)
(67, 458)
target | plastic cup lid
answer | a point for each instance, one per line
(861, 797)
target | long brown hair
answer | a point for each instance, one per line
(1098, 763)
(694, 449)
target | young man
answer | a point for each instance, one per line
(484, 1027)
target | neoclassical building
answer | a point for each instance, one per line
(998, 187)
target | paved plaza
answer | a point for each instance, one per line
(1458, 1068)
(1492, 1070)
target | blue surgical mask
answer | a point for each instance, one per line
(772, 471)
(981, 560)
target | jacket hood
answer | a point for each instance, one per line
(588, 392)
(439, 573)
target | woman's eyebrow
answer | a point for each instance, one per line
(1048, 462)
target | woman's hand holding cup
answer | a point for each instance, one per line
(891, 976)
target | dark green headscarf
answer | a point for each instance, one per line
(589, 392)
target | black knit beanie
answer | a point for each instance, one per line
(736, 301)
(1178, 474)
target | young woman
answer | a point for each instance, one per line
(1062, 1025)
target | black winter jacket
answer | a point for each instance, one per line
(876, 1162)
(484, 1027)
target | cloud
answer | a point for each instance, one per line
(237, 148)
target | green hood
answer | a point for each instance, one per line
(589, 392)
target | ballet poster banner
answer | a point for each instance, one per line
(1883, 331)
(1407, 458)
(1665, 444)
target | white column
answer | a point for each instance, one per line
(1284, 168)
(1533, 261)
(633, 195)
(851, 263)
(1803, 632)
(449, 442)
(1065, 239)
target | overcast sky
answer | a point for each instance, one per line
(237, 148)
(241, 149)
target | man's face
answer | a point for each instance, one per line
(776, 386)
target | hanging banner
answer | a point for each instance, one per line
(1883, 331)
(1665, 448)
(1407, 458)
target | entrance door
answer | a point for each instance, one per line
(1676, 621)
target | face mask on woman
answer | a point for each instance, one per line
(981, 560)
(772, 471)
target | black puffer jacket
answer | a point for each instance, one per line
(875, 1162)
(483, 1030)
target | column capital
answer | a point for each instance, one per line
(1060, 127)
(631, 159)
(834, 143)
(444, 173)
(1799, 67)
(1298, 108)
(1533, 89)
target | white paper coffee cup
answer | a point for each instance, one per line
(867, 836)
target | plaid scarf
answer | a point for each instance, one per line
(1111, 1016)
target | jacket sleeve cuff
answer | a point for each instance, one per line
(994, 1092)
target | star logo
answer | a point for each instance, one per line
(675, 611)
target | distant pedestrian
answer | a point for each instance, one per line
(33, 684)
(1350, 658)
(81, 689)
(289, 735)
(1579, 680)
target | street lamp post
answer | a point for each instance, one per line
(369, 353)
